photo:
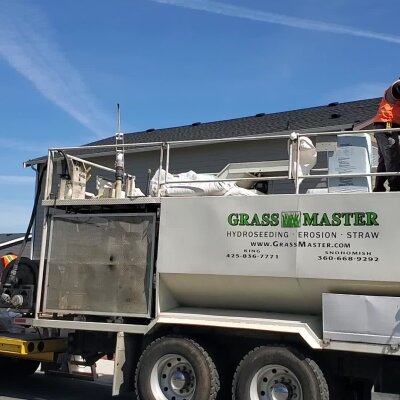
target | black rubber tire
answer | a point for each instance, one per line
(310, 376)
(204, 367)
(15, 368)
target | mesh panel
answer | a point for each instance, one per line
(100, 264)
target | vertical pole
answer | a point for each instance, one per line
(119, 157)
(49, 174)
(297, 165)
(160, 168)
(290, 159)
(49, 179)
(167, 161)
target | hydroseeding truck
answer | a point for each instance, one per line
(206, 288)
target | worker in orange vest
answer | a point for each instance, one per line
(5, 260)
(387, 117)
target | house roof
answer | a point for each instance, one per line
(11, 243)
(6, 237)
(334, 115)
(9, 239)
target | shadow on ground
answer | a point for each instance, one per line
(41, 387)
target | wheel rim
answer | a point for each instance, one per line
(275, 382)
(173, 378)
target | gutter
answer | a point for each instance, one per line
(14, 241)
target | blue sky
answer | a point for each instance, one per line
(65, 64)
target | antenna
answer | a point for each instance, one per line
(119, 157)
(118, 119)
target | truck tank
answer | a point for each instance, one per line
(277, 252)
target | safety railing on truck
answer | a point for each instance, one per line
(293, 167)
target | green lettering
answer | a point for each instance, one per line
(274, 219)
(347, 217)
(244, 219)
(313, 220)
(336, 221)
(255, 221)
(325, 220)
(359, 219)
(372, 218)
(233, 219)
(265, 220)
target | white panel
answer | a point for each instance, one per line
(345, 237)
(368, 319)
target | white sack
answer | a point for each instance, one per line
(239, 191)
(307, 158)
(176, 189)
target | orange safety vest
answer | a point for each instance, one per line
(389, 108)
(7, 259)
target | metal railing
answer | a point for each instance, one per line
(165, 149)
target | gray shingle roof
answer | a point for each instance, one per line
(7, 237)
(333, 115)
(15, 245)
(308, 118)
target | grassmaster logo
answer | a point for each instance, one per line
(298, 219)
(291, 219)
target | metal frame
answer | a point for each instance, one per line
(166, 147)
(149, 274)
(163, 147)
(100, 202)
(91, 326)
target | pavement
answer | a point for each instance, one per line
(41, 387)
(105, 370)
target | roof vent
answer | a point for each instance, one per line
(335, 103)
(196, 123)
(259, 115)
(335, 115)
(150, 130)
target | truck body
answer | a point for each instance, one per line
(257, 296)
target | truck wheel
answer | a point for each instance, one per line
(278, 373)
(174, 368)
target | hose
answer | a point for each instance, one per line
(12, 278)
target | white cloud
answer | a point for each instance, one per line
(279, 19)
(27, 44)
(22, 146)
(361, 91)
(17, 179)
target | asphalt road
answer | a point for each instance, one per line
(41, 387)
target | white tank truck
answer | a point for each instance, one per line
(260, 297)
